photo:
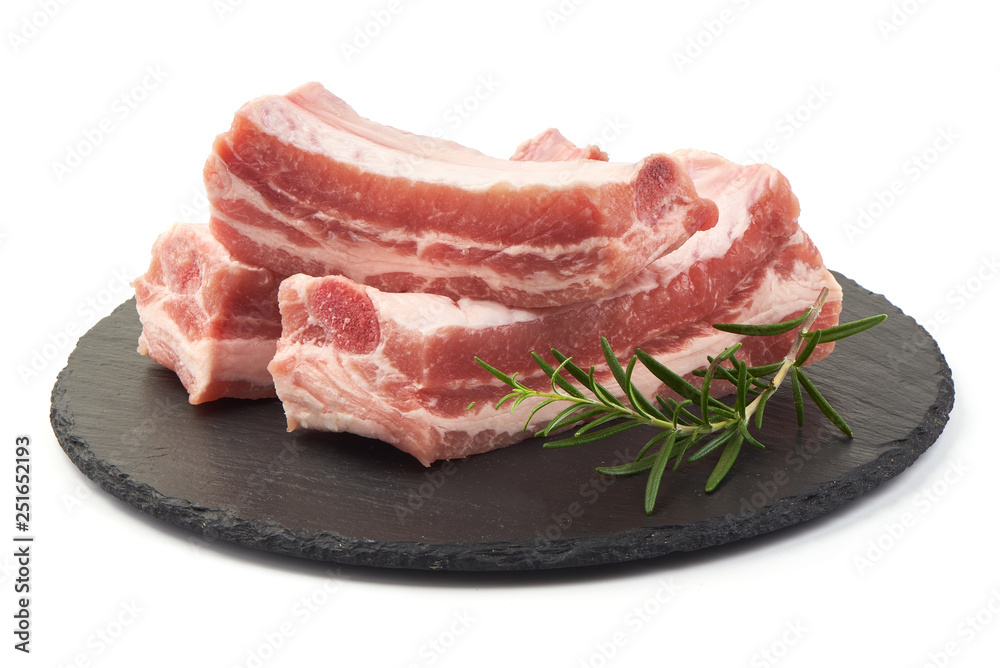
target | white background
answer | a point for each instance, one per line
(869, 86)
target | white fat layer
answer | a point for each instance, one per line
(435, 162)
(315, 98)
(428, 314)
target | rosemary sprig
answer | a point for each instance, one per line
(600, 413)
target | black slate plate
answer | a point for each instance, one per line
(230, 470)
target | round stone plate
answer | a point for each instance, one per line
(230, 470)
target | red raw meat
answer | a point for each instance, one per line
(209, 318)
(302, 183)
(331, 372)
(758, 213)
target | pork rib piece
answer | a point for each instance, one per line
(302, 184)
(211, 319)
(194, 291)
(331, 373)
(757, 214)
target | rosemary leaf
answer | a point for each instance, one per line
(846, 329)
(509, 380)
(534, 410)
(602, 393)
(716, 362)
(764, 370)
(638, 400)
(593, 436)
(633, 395)
(571, 415)
(745, 430)
(520, 399)
(505, 399)
(759, 416)
(653, 441)
(556, 377)
(726, 414)
(678, 410)
(579, 374)
(726, 461)
(682, 387)
(683, 446)
(729, 352)
(824, 405)
(671, 406)
(648, 407)
(631, 468)
(607, 417)
(741, 389)
(714, 443)
(706, 400)
(726, 374)
(763, 330)
(800, 407)
(614, 365)
(812, 339)
(656, 471)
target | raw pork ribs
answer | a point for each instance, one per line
(211, 319)
(400, 258)
(302, 184)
